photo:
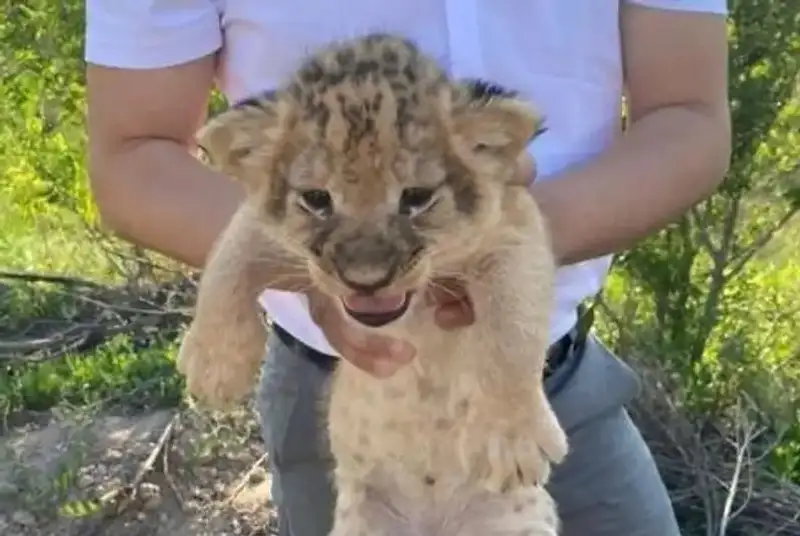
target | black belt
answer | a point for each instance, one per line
(570, 344)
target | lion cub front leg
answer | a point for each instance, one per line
(223, 348)
(512, 419)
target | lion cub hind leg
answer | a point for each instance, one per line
(223, 348)
(362, 511)
(528, 511)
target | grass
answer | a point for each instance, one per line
(126, 370)
(77, 429)
(115, 373)
(52, 242)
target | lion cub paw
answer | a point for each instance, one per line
(522, 456)
(221, 364)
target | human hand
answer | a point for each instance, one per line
(453, 306)
(378, 355)
(526, 168)
(381, 355)
(449, 296)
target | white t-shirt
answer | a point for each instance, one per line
(564, 55)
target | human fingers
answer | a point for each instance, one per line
(526, 168)
(376, 354)
(453, 306)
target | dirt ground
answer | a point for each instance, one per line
(164, 473)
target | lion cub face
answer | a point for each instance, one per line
(374, 167)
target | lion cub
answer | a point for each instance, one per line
(374, 173)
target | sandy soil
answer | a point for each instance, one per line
(157, 474)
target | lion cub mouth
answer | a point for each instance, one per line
(376, 311)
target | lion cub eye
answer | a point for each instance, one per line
(415, 200)
(317, 202)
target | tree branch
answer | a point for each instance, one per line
(701, 225)
(37, 277)
(717, 279)
(738, 264)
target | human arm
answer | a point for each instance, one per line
(144, 107)
(148, 186)
(675, 151)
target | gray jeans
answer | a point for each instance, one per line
(608, 485)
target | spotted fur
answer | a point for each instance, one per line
(374, 172)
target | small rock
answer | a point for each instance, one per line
(85, 479)
(150, 494)
(257, 477)
(23, 518)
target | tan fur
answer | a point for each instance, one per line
(460, 442)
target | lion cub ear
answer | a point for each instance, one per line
(246, 135)
(486, 118)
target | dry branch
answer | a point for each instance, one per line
(35, 277)
(716, 468)
(84, 314)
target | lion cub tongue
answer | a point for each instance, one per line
(374, 304)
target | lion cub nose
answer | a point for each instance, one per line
(366, 265)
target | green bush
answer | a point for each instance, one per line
(714, 297)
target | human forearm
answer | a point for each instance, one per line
(154, 193)
(157, 195)
(667, 161)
